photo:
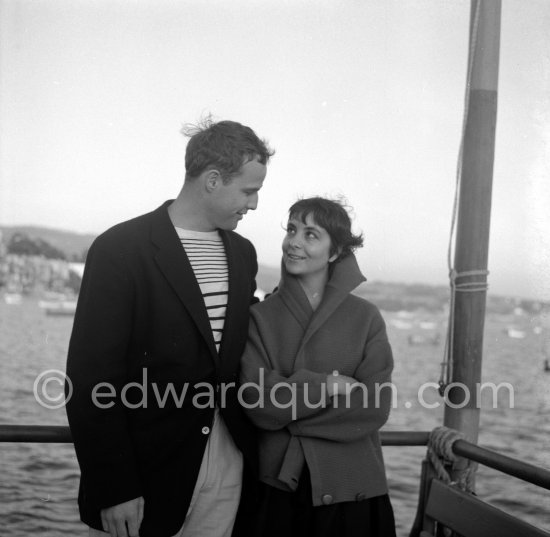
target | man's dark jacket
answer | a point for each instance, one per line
(141, 319)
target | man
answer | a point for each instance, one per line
(159, 330)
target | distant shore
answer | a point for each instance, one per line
(29, 273)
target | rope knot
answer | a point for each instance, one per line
(440, 451)
(441, 442)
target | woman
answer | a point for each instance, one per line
(316, 360)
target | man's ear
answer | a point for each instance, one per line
(212, 180)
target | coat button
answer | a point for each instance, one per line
(361, 496)
(326, 499)
(205, 430)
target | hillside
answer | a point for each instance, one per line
(71, 243)
(74, 244)
(389, 296)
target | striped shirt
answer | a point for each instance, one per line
(206, 254)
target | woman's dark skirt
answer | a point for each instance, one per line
(291, 514)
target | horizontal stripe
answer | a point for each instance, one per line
(212, 267)
(213, 310)
(202, 260)
(214, 293)
(206, 254)
(199, 244)
(208, 249)
(203, 251)
(198, 261)
(208, 264)
(214, 301)
(217, 270)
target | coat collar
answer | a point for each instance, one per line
(345, 277)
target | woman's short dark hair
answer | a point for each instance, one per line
(332, 216)
(225, 146)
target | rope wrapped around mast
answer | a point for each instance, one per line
(480, 285)
(440, 452)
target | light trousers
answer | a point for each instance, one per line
(217, 492)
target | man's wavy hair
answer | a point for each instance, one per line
(224, 146)
(332, 216)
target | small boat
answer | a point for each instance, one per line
(422, 339)
(401, 325)
(13, 293)
(58, 307)
(515, 333)
(13, 299)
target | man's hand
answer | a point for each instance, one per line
(124, 519)
(340, 384)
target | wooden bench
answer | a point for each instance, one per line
(469, 516)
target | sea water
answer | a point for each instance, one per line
(39, 482)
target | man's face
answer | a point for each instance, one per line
(231, 201)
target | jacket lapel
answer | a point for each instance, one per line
(236, 301)
(174, 264)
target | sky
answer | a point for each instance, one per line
(361, 99)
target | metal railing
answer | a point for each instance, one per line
(514, 467)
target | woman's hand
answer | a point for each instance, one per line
(340, 384)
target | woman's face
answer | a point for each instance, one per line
(306, 247)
